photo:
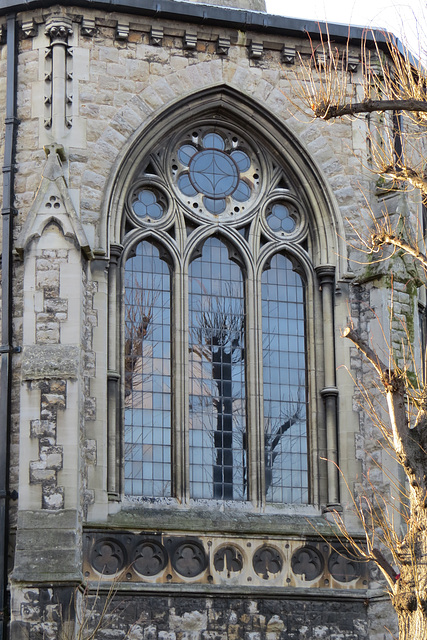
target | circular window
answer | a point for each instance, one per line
(147, 203)
(147, 206)
(216, 173)
(282, 218)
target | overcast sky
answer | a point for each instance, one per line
(407, 20)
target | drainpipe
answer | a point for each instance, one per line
(6, 348)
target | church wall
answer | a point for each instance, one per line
(120, 73)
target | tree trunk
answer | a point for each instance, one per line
(412, 625)
(410, 592)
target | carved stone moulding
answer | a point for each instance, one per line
(307, 562)
(226, 561)
(88, 27)
(29, 28)
(59, 28)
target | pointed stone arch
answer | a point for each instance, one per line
(229, 104)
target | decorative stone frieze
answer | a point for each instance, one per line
(228, 559)
(308, 562)
(162, 559)
(267, 562)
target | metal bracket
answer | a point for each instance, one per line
(9, 349)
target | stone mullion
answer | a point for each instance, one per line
(318, 481)
(114, 341)
(326, 275)
(255, 418)
(180, 385)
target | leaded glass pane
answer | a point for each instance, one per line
(284, 367)
(217, 376)
(147, 374)
(146, 205)
(280, 219)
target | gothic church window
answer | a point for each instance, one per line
(215, 277)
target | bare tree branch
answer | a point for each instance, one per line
(370, 354)
(329, 111)
(407, 174)
(383, 238)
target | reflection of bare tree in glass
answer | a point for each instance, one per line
(284, 381)
(273, 436)
(138, 324)
(218, 338)
(147, 341)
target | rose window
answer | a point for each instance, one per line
(215, 173)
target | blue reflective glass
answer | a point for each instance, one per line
(185, 153)
(242, 192)
(147, 205)
(280, 219)
(285, 397)
(215, 206)
(147, 374)
(213, 173)
(213, 141)
(217, 376)
(185, 185)
(242, 160)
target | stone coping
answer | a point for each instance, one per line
(242, 19)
